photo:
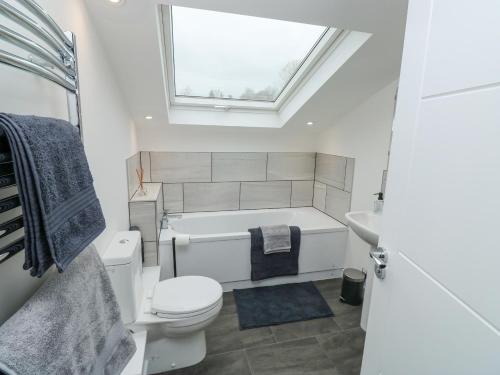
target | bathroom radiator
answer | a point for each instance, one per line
(54, 60)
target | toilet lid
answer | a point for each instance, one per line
(185, 296)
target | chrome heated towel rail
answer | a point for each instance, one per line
(41, 48)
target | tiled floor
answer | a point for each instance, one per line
(332, 346)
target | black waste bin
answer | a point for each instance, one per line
(353, 284)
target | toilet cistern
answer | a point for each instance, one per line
(175, 312)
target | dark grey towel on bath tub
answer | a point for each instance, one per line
(71, 325)
(62, 214)
(265, 266)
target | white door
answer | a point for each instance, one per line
(438, 309)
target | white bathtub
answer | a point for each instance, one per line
(219, 245)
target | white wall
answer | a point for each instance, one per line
(109, 134)
(211, 138)
(363, 134)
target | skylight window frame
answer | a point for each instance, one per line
(326, 43)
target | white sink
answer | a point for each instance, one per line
(366, 224)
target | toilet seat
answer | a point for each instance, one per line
(186, 297)
(191, 323)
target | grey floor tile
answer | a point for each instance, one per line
(296, 357)
(221, 364)
(340, 308)
(224, 335)
(345, 348)
(330, 290)
(343, 344)
(329, 285)
(349, 320)
(350, 366)
(328, 346)
(309, 328)
(228, 304)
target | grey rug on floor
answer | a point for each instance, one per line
(279, 304)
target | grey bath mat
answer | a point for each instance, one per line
(279, 304)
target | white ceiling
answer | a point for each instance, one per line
(130, 37)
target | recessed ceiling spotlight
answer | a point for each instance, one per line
(116, 2)
(148, 117)
(309, 123)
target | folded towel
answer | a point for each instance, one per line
(72, 325)
(62, 214)
(265, 266)
(276, 238)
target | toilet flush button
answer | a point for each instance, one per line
(124, 241)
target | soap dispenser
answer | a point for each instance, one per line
(378, 205)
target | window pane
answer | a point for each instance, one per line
(222, 55)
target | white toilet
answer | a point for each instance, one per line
(175, 312)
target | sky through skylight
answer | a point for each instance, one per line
(222, 55)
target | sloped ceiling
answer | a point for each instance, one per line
(129, 34)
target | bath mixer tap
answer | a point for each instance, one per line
(165, 218)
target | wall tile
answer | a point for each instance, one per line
(216, 196)
(188, 186)
(330, 169)
(133, 163)
(349, 174)
(173, 196)
(239, 166)
(171, 167)
(291, 166)
(150, 254)
(270, 194)
(146, 165)
(143, 215)
(319, 201)
(302, 193)
(338, 203)
(151, 193)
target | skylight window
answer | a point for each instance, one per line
(229, 56)
(223, 60)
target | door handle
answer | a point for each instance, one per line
(380, 257)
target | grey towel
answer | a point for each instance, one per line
(277, 264)
(72, 325)
(62, 214)
(276, 238)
